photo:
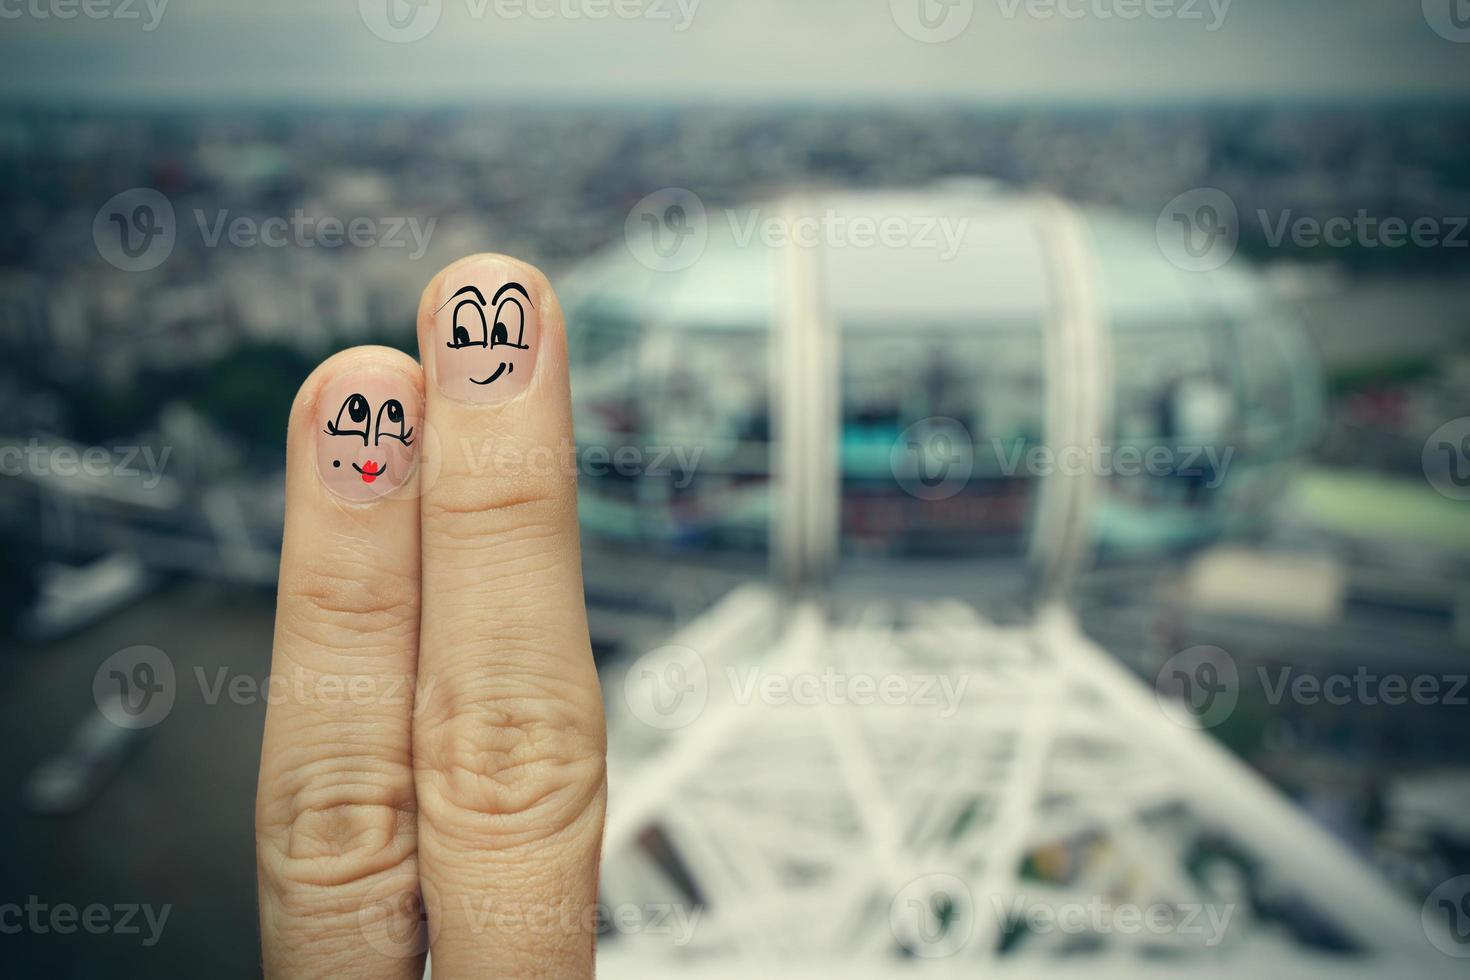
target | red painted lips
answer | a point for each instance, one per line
(370, 471)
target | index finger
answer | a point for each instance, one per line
(335, 818)
(509, 740)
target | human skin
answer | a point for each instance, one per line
(432, 776)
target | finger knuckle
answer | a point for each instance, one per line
(333, 604)
(511, 767)
(347, 821)
(503, 482)
(490, 519)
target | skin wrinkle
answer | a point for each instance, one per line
(367, 790)
(504, 735)
(340, 547)
(319, 580)
(319, 728)
(324, 908)
(389, 691)
(484, 751)
(361, 778)
(531, 678)
(361, 757)
(445, 507)
(344, 831)
(338, 637)
(391, 602)
(491, 779)
(516, 561)
(359, 636)
(289, 873)
(520, 657)
(328, 641)
(324, 675)
(350, 615)
(512, 571)
(308, 740)
(470, 832)
(353, 866)
(363, 840)
(369, 766)
(337, 811)
(324, 748)
(514, 643)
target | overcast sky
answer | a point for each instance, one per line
(529, 52)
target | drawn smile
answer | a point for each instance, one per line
(371, 470)
(504, 366)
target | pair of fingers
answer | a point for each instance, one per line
(432, 774)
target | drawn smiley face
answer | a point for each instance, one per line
(365, 448)
(487, 353)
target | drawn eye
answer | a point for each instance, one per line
(390, 423)
(469, 325)
(351, 418)
(510, 322)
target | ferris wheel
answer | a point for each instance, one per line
(1020, 804)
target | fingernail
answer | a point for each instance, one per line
(367, 433)
(486, 333)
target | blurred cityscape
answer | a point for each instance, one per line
(176, 381)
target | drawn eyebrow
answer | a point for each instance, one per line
(512, 285)
(460, 292)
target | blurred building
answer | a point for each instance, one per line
(962, 370)
(1003, 385)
